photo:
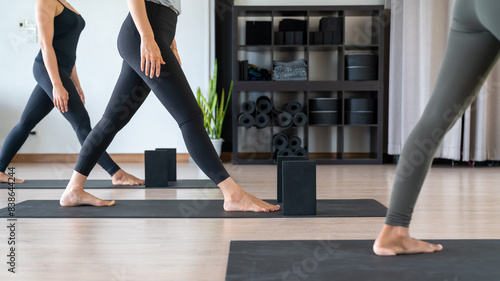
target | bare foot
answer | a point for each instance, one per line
(396, 240)
(5, 178)
(237, 200)
(78, 197)
(123, 178)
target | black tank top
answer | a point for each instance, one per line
(68, 26)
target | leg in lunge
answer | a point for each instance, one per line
(471, 53)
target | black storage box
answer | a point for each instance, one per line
(360, 117)
(324, 104)
(293, 25)
(324, 118)
(259, 32)
(360, 105)
(331, 24)
(359, 73)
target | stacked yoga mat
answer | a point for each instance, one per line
(262, 113)
(284, 145)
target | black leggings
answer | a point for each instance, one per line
(171, 88)
(473, 50)
(39, 105)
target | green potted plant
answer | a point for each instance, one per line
(214, 110)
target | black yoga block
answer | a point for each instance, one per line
(289, 38)
(258, 32)
(316, 38)
(359, 73)
(328, 37)
(279, 38)
(360, 118)
(299, 188)
(360, 105)
(361, 59)
(280, 160)
(156, 167)
(324, 118)
(299, 38)
(172, 163)
(324, 104)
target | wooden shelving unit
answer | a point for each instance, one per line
(345, 143)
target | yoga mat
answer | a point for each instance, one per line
(106, 184)
(184, 209)
(348, 260)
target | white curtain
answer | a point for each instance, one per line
(419, 33)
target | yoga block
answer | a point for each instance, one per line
(156, 167)
(280, 160)
(316, 38)
(279, 38)
(289, 38)
(299, 38)
(258, 32)
(172, 163)
(328, 37)
(299, 188)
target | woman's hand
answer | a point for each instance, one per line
(151, 59)
(61, 98)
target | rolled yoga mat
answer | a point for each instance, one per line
(300, 119)
(264, 104)
(284, 119)
(185, 209)
(285, 152)
(106, 184)
(246, 120)
(348, 260)
(262, 120)
(300, 152)
(248, 107)
(293, 107)
(280, 141)
(294, 142)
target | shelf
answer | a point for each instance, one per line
(306, 86)
(326, 144)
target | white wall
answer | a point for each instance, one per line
(98, 67)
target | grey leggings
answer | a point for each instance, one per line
(472, 51)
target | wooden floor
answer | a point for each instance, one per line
(456, 203)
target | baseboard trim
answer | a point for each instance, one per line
(119, 158)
